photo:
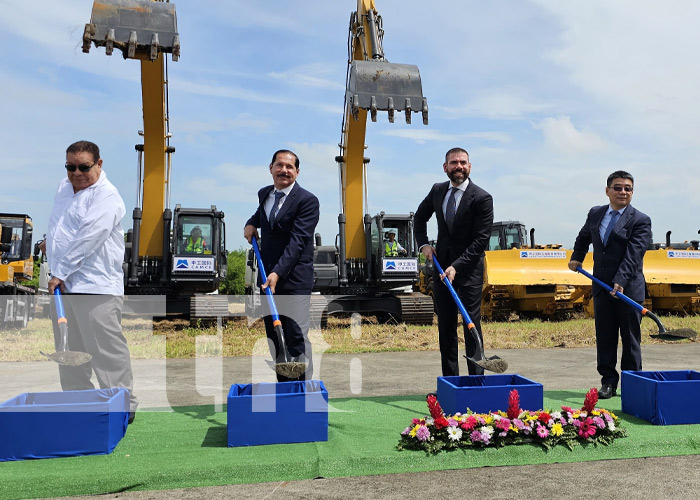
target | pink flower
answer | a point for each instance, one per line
(519, 424)
(586, 428)
(542, 431)
(469, 423)
(423, 433)
(452, 422)
(406, 431)
(503, 424)
(475, 436)
(598, 421)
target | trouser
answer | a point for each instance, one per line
(447, 312)
(94, 326)
(294, 316)
(613, 319)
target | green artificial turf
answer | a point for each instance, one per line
(187, 448)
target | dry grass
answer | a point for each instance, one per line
(169, 339)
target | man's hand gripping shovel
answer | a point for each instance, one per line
(494, 363)
(290, 367)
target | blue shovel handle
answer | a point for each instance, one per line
(456, 298)
(268, 292)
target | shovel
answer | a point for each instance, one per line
(290, 368)
(494, 363)
(63, 356)
(681, 333)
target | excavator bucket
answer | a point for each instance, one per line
(384, 86)
(141, 29)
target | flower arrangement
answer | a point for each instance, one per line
(568, 427)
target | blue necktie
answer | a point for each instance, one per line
(275, 206)
(613, 219)
(451, 208)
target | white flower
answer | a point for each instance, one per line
(486, 429)
(611, 425)
(429, 421)
(556, 415)
(454, 433)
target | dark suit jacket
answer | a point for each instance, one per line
(620, 261)
(288, 248)
(463, 247)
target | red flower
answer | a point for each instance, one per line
(513, 404)
(434, 407)
(469, 423)
(441, 423)
(544, 417)
(591, 400)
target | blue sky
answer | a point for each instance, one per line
(548, 97)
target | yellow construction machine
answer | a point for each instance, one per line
(16, 265)
(529, 279)
(672, 274)
(360, 271)
(159, 258)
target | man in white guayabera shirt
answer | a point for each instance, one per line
(85, 250)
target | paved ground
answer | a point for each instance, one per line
(206, 381)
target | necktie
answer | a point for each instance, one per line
(275, 206)
(451, 208)
(613, 219)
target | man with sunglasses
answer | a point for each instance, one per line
(85, 250)
(620, 235)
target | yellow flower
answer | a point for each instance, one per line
(488, 419)
(557, 430)
(575, 415)
(595, 413)
(413, 431)
(513, 428)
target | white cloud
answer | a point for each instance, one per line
(561, 136)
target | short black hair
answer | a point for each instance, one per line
(282, 151)
(85, 147)
(455, 150)
(619, 174)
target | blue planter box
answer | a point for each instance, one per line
(486, 393)
(63, 424)
(662, 398)
(275, 413)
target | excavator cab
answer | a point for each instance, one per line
(394, 265)
(139, 28)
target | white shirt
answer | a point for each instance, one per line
(458, 196)
(85, 242)
(271, 199)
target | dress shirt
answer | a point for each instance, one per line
(271, 199)
(606, 219)
(458, 196)
(85, 241)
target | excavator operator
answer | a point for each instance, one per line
(392, 248)
(195, 242)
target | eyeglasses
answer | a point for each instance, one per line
(82, 168)
(628, 189)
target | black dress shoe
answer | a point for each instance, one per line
(132, 415)
(607, 391)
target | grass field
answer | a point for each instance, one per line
(173, 339)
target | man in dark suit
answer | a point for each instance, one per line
(620, 235)
(287, 216)
(464, 215)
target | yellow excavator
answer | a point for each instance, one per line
(672, 274)
(362, 272)
(178, 253)
(16, 265)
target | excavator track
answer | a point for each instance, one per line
(416, 308)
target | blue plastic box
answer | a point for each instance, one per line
(276, 413)
(63, 424)
(662, 398)
(486, 393)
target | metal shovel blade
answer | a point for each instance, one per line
(139, 28)
(493, 363)
(69, 358)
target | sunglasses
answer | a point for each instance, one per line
(82, 168)
(628, 189)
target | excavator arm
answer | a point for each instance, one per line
(372, 84)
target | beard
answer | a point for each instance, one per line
(458, 176)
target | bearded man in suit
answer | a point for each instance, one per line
(464, 214)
